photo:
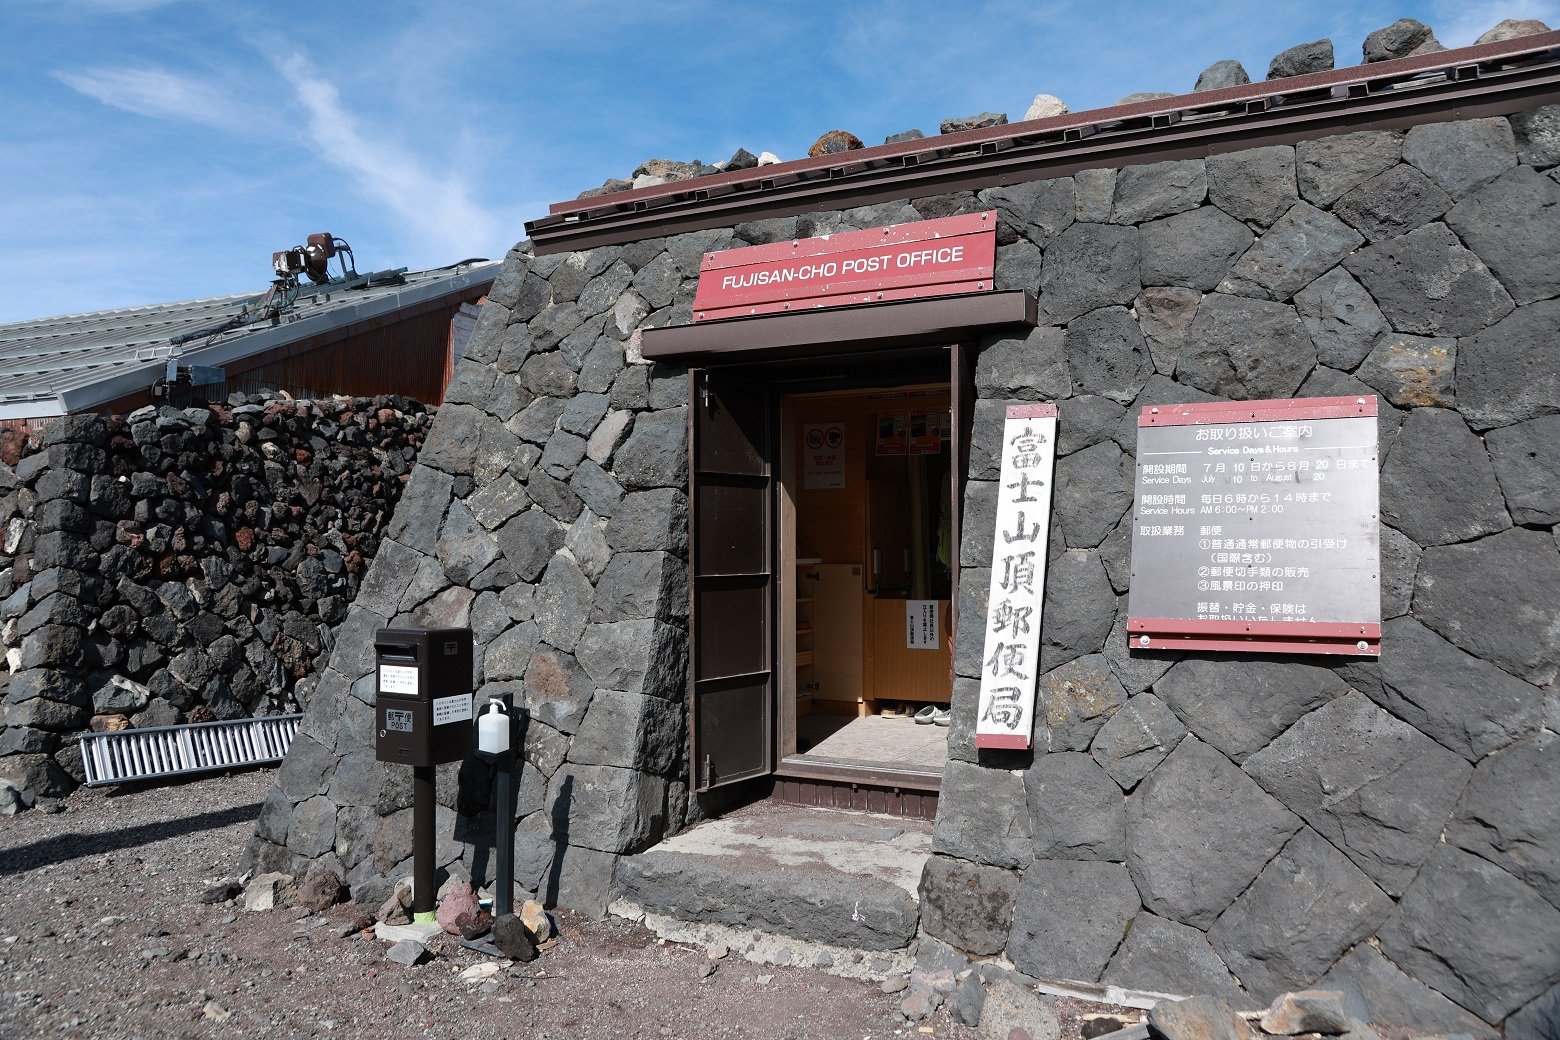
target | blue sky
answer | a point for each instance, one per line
(158, 150)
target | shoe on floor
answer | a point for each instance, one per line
(926, 716)
(941, 718)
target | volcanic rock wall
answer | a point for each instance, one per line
(547, 511)
(184, 564)
(1242, 824)
(1187, 822)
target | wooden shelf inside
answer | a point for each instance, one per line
(804, 658)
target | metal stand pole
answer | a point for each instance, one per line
(424, 842)
(504, 816)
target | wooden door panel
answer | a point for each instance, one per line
(734, 645)
(733, 521)
(731, 425)
(733, 741)
(838, 663)
(731, 553)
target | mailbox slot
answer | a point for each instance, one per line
(423, 695)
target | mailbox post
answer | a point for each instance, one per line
(422, 718)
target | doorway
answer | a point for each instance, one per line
(866, 567)
(824, 530)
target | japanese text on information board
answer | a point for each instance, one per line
(1258, 528)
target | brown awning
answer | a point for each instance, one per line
(840, 330)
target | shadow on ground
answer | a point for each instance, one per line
(75, 845)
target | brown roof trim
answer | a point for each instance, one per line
(841, 330)
(1492, 79)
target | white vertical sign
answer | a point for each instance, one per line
(921, 624)
(1011, 660)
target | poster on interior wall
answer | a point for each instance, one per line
(892, 434)
(926, 432)
(1256, 528)
(921, 624)
(823, 455)
(1011, 658)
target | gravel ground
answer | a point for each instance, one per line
(102, 935)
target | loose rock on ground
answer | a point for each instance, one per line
(123, 872)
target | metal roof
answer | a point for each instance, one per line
(75, 362)
(1486, 79)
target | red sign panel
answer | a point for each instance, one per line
(942, 257)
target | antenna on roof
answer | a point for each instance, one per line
(313, 259)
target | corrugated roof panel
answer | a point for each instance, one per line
(42, 360)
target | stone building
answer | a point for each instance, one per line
(165, 561)
(1235, 823)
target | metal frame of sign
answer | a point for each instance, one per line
(955, 255)
(1359, 639)
(1011, 653)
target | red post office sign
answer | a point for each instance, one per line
(944, 257)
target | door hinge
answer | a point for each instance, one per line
(704, 390)
(709, 771)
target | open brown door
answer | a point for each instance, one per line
(731, 555)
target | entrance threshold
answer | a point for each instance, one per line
(874, 787)
(805, 767)
(854, 790)
(893, 743)
(872, 763)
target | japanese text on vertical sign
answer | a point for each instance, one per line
(1011, 658)
(921, 624)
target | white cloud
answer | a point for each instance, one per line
(1461, 22)
(433, 204)
(157, 94)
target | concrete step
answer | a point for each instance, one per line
(842, 880)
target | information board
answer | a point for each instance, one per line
(1255, 527)
(1011, 657)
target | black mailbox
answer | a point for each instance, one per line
(423, 696)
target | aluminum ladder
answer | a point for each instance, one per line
(141, 754)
